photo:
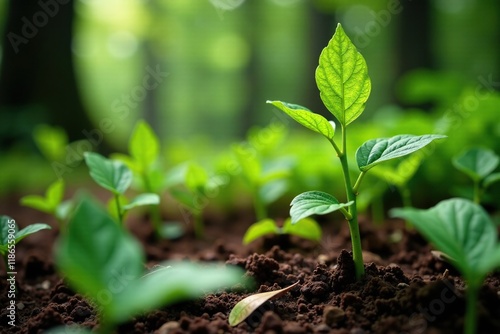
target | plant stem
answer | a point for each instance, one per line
(119, 209)
(471, 299)
(198, 225)
(260, 209)
(357, 253)
(477, 192)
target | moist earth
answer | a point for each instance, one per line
(405, 290)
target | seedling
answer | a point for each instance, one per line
(478, 164)
(144, 153)
(52, 203)
(344, 85)
(10, 235)
(467, 236)
(306, 228)
(104, 263)
(116, 177)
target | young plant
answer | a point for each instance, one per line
(52, 203)
(306, 228)
(344, 85)
(463, 231)
(104, 263)
(10, 235)
(144, 153)
(478, 164)
(116, 177)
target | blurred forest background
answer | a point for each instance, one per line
(198, 69)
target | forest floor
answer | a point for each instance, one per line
(405, 289)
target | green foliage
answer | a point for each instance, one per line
(306, 228)
(479, 164)
(116, 177)
(10, 235)
(342, 78)
(52, 203)
(51, 141)
(103, 262)
(463, 231)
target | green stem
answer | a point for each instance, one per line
(260, 208)
(155, 209)
(477, 192)
(357, 252)
(471, 309)
(119, 208)
(405, 196)
(198, 225)
(355, 189)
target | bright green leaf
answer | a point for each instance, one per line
(248, 162)
(379, 150)
(490, 179)
(342, 78)
(196, 178)
(260, 229)
(30, 229)
(306, 228)
(462, 230)
(142, 200)
(271, 191)
(9, 225)
(49, 202)
(307, 118)
(98, 257)
(314, 202)
(245, 307)
(37, 202)
(51, 141)
(144, 145)
(477, 162)
(109, 174)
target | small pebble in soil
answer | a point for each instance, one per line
(333, 315)
(168, 327)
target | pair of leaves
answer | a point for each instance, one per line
(48, 203)
(104, 262)
(463, 231)
(19, 235)
(479, 164)
(305, 228)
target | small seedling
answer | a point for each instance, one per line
(144, 153)
(52, 203)
(104, 263)
(306, 228)
(116, 177)
(464, 232)
(478, 164)
(10, 235)
(344, 85)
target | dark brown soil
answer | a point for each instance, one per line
(405, 289)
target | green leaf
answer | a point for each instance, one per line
(196, 179)
(462, 230)
(271, 191)
(30, 229)
(260, 229)
(174, 282)
(490, 179)
(306, 228)
(51, 141)
(375, 151)
(307, 118)
(249, 163)
(144, 145)
(113, 209)
(314, 202)
(9, 225)
(98, 257)
(245, 307)
(112, 175)
(342, 78)
(142, 200)
(477, 162)
(49, 202)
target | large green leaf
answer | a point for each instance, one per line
(342, 78)
(375, 151)
(477, 162)
(144, 145)
(109, 174)
(260, 229)
(314, 202)
(307, 118)
(97, 256)
(306, 228)
(463, 231)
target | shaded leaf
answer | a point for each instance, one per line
(306, 228)
(109, 174)
(307, 118)
(314, 202)
(477, 162)
(379, 150)
(142, 200)
(246, 306)
(342, 78)
(260, 229)
(30, 229)
(49, 202)
(144, 146)
(490, 179)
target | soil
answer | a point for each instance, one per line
(405, 289)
